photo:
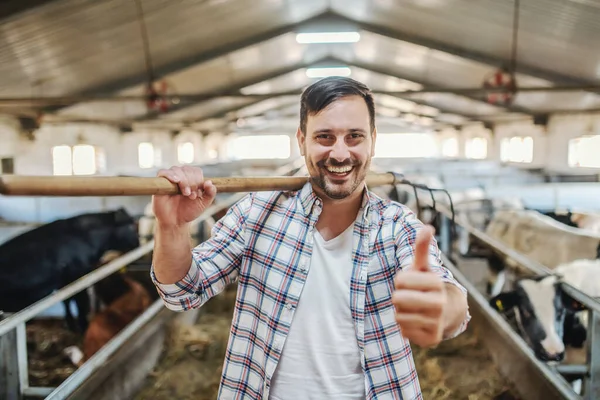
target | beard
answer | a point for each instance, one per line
(342, 187)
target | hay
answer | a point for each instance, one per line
(46, 341)
(460, 368)
(191, 364)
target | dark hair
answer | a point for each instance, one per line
(322, 93)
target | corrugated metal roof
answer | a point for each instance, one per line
(78, 46)
(547, 28)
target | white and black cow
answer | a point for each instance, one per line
(583, 220)
(538, 237)
(545, 316)
(47, 258)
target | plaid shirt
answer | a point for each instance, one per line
(264, 243)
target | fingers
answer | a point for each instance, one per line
(414, 280)
(421, 337)
(193, 179)
(417, 322)
(210, 191)
(424, 303)
(189, 179)
(421, 251)
(170, 174)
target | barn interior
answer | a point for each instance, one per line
(488, 119)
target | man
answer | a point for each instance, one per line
(332, 281)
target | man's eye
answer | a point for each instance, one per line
(325, 139)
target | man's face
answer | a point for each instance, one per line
(338, 146)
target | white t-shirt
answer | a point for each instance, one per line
(320, 358)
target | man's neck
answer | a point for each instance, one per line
(338, 215)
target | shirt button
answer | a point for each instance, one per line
(289, 306)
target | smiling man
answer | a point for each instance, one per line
(333, 282)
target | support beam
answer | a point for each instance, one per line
(235, 87)
(494, 61)
(276, 108)
(160, 71)
(385, 71)
(172, 67)
(223, 113)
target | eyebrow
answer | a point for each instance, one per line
(352, 130)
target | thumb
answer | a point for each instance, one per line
(421, 251)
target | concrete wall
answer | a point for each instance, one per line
(32, 154)
(551, 142)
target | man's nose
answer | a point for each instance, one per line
(340, 151)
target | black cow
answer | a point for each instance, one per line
(42, 260)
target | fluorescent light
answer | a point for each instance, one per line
(324, 72)
(328, 37)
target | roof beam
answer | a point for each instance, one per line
(160, 71)
(237, 86)
(276, 108)
(472, 55)
(385, 71)
(283, 71)
(225, 112)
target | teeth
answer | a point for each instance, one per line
(339, 170)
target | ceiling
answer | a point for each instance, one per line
(226, 65)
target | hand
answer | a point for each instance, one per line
(420, 297)
(197, 195)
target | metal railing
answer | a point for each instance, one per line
(16, 322)
(591, 370)
(498, 336)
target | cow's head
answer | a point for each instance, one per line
(544, 316)
(124, 231)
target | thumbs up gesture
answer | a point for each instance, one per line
(420, 296)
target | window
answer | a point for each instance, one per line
(81, 159)
(259, 147)
(84, 160)
(61, 160)
(148, 155)
(213, 154)
(584, 152)
(517, 149)
(450, 147)
(476, 148)
(185, 153)
(405, 145)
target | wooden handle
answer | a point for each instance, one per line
(21, 185)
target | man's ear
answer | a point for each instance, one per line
(301, 137)
(504, 301)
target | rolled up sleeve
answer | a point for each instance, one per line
(215, 263)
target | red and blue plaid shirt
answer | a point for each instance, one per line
(264, 242)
